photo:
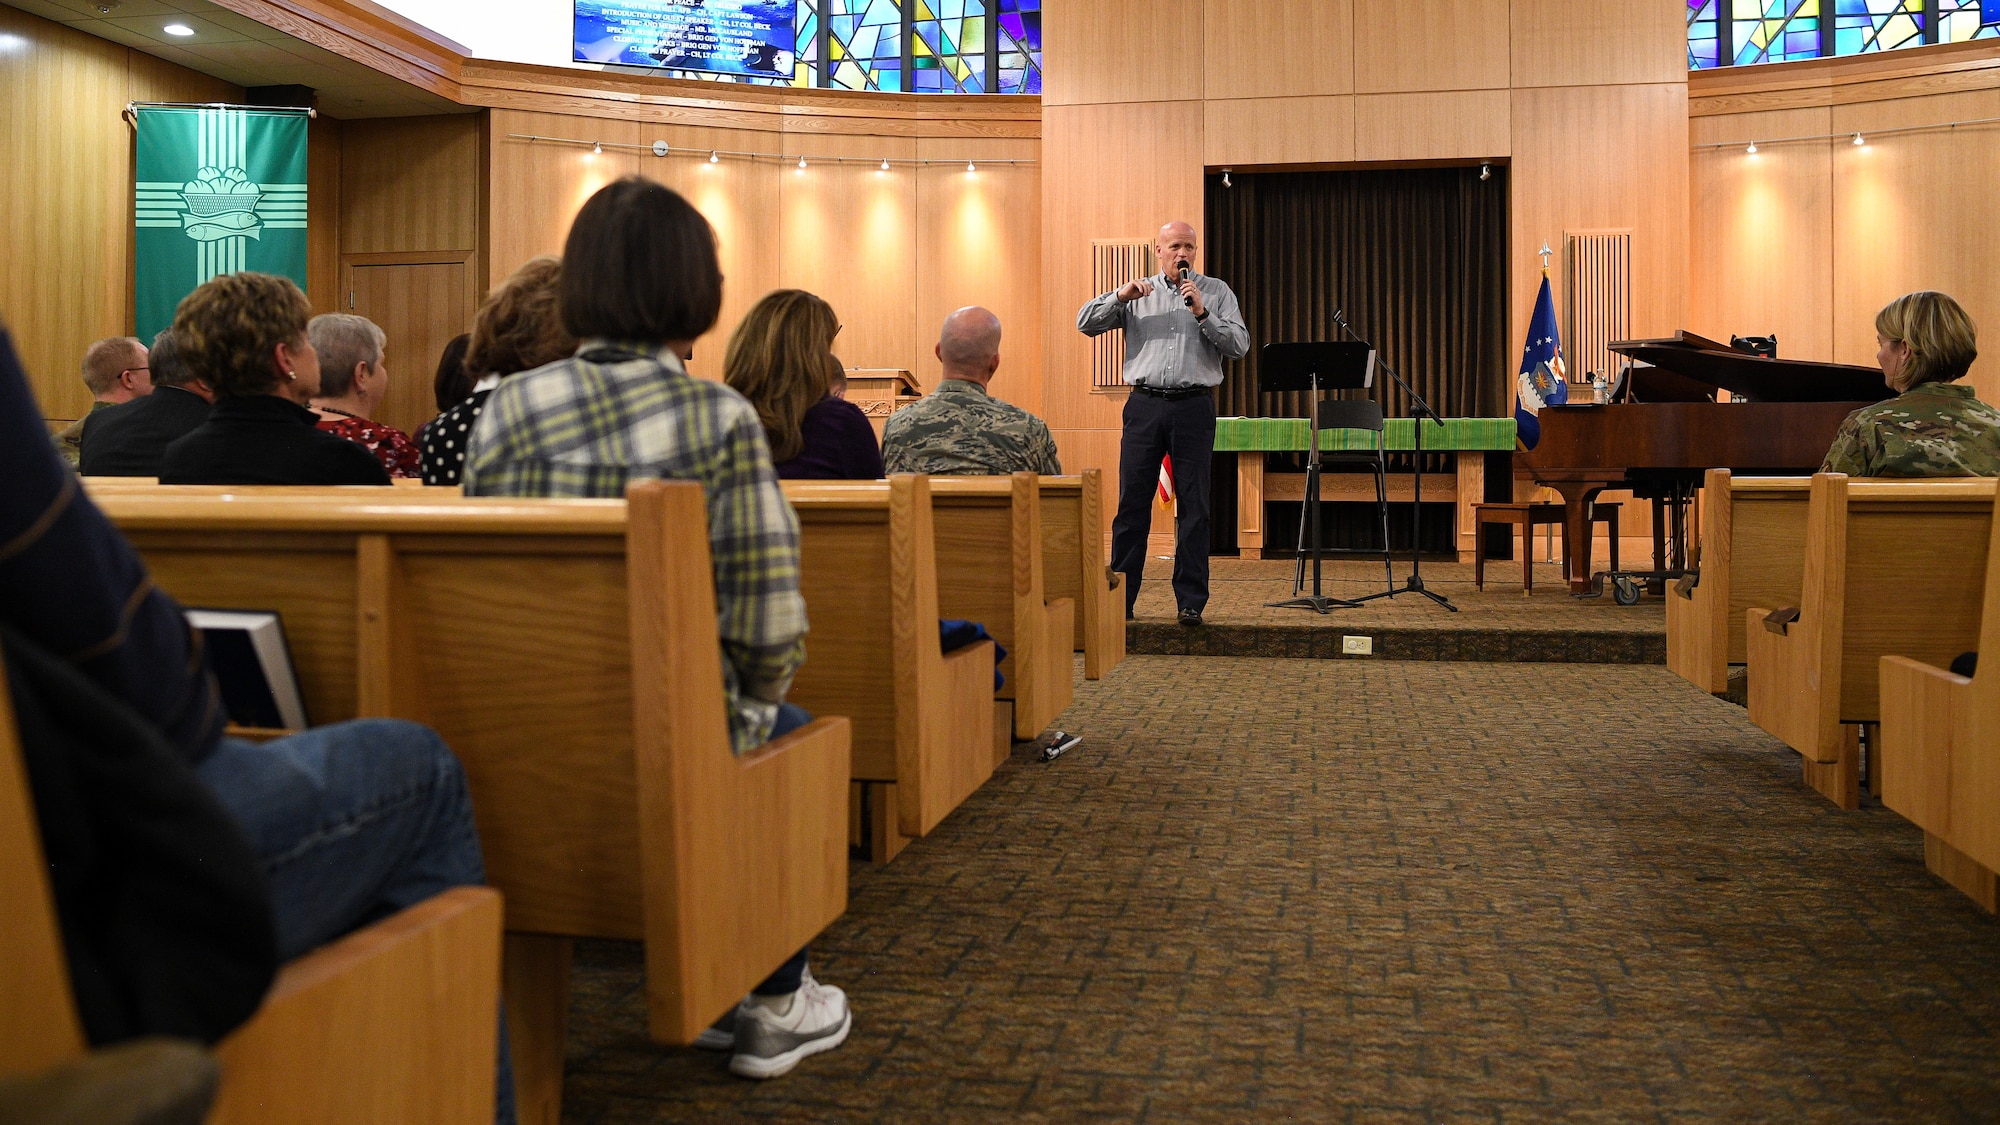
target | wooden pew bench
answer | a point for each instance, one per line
(567, 651)
(1074, 567)
(1940, 752)
(1892, 567)
(990, 570)
(395, 1022)
(923, 720)
(1753, 552)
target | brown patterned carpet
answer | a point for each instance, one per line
(1330, 891)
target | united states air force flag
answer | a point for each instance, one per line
(219, 190)
(1543, 377)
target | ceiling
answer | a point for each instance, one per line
(242, 51)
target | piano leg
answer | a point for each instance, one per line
(1577, 495)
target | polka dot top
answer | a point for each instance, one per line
(443, 440)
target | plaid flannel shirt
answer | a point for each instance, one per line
(618, 412)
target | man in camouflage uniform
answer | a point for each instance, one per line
(960, 430)
(1933, 427)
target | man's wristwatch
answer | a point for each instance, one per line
(1202, 315)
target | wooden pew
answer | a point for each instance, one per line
(1753, 550)
(1893, 567)
(396, 1022)
(1073, 567)
(567, 651)
(923, 720)
(1940, 753)
(990, 570)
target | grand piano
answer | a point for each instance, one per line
(1664, 429)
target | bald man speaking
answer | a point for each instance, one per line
(1179, 328)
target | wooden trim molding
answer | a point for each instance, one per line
(383, 41)
(1917, 72)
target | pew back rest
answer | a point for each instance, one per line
(569, 656)
(989, 543)
(848, 562)
(1892, 567)
(1767, 538)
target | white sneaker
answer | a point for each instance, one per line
(721, 1035)
(769, 1044)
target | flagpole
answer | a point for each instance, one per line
(131, 108)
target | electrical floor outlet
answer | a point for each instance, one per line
(1357, 646)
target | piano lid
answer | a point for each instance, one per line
(1701, 361)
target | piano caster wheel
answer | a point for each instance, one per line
(1624, 590)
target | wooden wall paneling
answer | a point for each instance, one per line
(1445, 125)
(1761, 231)
(323, 145)
(848, 233)
(61, 93)
(1405, 45)
(1597, 42)
(1098, 51)
(1300, 130)
(1111, 171)
(420, 306)
(1915, 211)
(410, 183)
(978, 242)
(1277, 48)
(536, 187)
(1596, 158)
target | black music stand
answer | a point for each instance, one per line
(1313, 368)
(1419, 410)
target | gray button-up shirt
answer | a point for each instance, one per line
(1165, 346)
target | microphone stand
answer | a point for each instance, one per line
(1419, 410)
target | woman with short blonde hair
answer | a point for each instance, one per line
(781, 359)
(1933, 427)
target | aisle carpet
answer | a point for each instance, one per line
(1267, 890)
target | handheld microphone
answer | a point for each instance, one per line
(1188, 301)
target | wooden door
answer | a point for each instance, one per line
(420, 307)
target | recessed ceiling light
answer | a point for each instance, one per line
(179, 29)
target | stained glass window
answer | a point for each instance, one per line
(1020, 43)
(948, 51)
(925, 46)
(1739, 32)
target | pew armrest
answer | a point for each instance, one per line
(395, 1022)
(1779, 621)
(1920, 708)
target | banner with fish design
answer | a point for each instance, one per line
(219, 189)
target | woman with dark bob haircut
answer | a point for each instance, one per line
(245, 335)
(640, 281)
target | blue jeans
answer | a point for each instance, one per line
(792, 973)
(354, 822)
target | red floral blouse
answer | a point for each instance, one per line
(390, 445)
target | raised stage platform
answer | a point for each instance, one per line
(1494, 625)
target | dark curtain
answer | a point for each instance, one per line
(1416, 257)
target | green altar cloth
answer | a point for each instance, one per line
(1250, 435)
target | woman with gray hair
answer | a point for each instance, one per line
(353, 382)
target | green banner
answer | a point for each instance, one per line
(218, 191)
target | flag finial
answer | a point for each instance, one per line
(1545, 252)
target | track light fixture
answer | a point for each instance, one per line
(1860, 140)
(885, 164)
(802, 163)
(1752, 150)
(1485, 172)
(713, 158)
(1225, 178)
(971, 167)
(597, 148)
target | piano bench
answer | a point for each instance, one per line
(1528, 516)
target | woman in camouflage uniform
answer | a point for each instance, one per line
(1933, 427)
